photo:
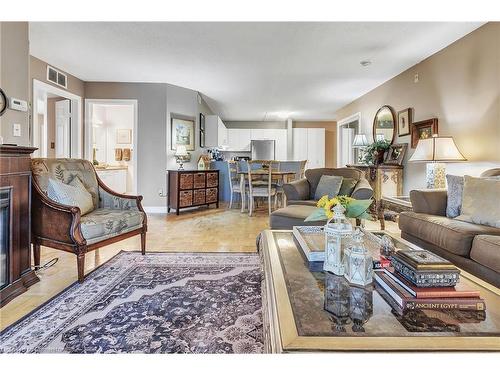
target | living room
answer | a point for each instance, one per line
(234, 187)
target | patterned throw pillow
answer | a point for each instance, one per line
(347, 187)
(72, 194)
(480, 201)
(455, 193)
(328, 185)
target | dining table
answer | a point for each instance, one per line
(276, 175)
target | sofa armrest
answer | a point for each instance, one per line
(297, 190)
(431, 202)
(362, 190)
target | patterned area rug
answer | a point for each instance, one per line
(157, 303)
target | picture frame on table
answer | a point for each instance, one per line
(396, 154)
(423, 130)
(182, 133)
(404, 121)
(202, 130)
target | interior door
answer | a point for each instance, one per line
(346, 149)
(63, 129)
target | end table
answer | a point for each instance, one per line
(391, 207)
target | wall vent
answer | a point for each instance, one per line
(57, 77)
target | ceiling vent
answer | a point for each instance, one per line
(57, 77)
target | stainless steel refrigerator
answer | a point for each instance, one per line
(263, 149)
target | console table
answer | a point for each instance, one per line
(192, 188)
(16, 274)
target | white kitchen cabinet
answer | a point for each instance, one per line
(216, 134)
(309, 144)
(238, 140)
(115, 179)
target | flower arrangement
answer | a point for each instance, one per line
(355, 208)
(374, 153)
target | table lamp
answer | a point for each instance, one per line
(436, 150)
(181, 156)
(360, 142)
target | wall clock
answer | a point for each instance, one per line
(3, 102)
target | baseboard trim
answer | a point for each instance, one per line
(155, 209)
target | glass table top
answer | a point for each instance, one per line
(326, 305)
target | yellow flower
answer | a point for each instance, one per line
(322, 202)
(328, 213)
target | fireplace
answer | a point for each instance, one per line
(5, 223)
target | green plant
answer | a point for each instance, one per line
(355, 208)
(371, 150)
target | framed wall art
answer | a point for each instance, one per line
(123, 136)
(404, 121)
(423, 130)
(396, 154)
(182, 133)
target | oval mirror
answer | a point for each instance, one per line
(384, 124)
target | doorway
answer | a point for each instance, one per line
(346, 130)
(57, 122)
(111, 141)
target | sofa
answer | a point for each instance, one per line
(472, 247)
(300, 196)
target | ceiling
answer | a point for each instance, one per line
(248, 71)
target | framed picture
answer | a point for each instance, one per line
(396, 154)
(404, 121)
(182, 133)
(422, 130)
(123, 136)
(202, 130)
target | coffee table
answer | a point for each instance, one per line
(295, 319)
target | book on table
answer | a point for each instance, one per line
(405, 300)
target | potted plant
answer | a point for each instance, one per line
(374, 153)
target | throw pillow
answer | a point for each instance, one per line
(347, 187)
(328, 185)
(480, 201)
(72, 194)
(455, 192)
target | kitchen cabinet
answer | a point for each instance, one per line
(309, 144)
(216, 134)
(238, 140)
(115, 179)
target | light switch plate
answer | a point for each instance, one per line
(16, 130)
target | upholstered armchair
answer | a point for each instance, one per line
(114, 216)
(301, 192)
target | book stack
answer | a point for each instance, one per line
(423, 280)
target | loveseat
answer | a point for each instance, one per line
(301, 200)
(473, 247)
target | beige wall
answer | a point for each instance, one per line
(38, 71)
(330, 138)
(14, 74)
(460, 85)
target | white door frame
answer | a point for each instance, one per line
(346, 120)
(76, 115)
(88, 129)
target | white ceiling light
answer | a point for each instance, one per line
(365, 62)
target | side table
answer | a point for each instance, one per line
(391, 207)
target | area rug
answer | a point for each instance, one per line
(157, 303)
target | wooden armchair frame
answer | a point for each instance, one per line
(58, 226)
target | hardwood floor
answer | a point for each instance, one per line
(203, 230)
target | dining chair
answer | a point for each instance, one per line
(256, 188)
(234, 182)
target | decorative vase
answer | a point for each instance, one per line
(378, 157)
(337, 239)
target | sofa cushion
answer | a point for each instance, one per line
(310, 202)
(72, 194)
(486, 251)
(480, 201)
(452, 235)
(65, 170)
(454, 196)
(293, 215)
(328, 185)
(103, 223)
(348, 185)
(313, 176)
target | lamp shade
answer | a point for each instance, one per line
(181, 150)
(437, 149)
(360, 141)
